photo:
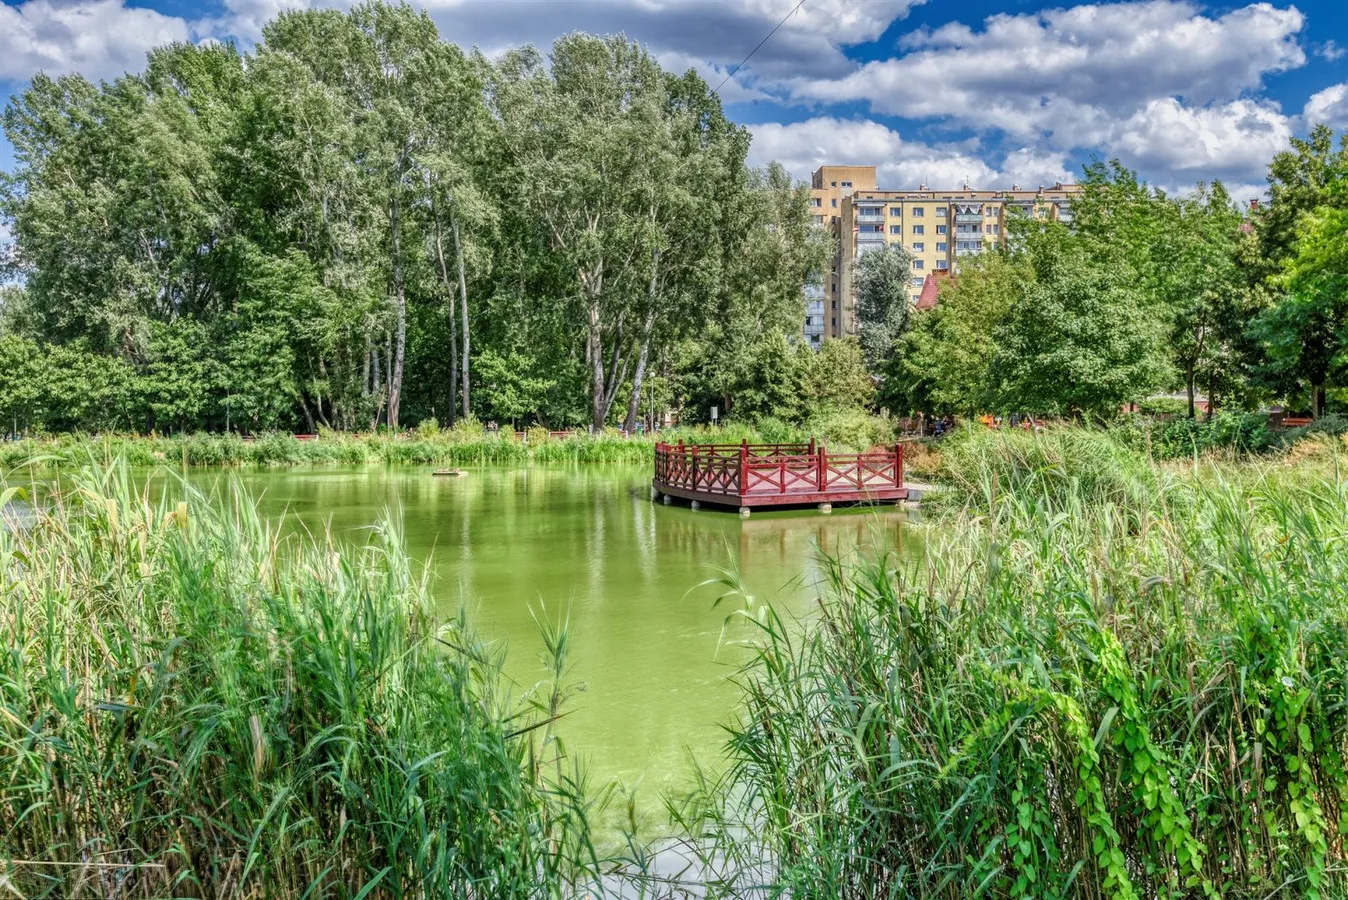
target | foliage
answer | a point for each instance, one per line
(1046, 705)
(331, 229)
(1079, 340)
(883, 281)
(264, 717)
(944, 364)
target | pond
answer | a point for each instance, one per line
(651, 651)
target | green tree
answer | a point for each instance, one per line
(1079, 340)
(1307, 331)
(883, 279)
(944, 364)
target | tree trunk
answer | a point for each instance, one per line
(1189, 384)
(1317, 400)
(643, 356)
(453, 315)
(595, 351)
(592, 283)
(395, 388)
(463, 308)
(376, 379)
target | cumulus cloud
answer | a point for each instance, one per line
(1235, 138)
(804, 146)
(1066, 73)
(98, 38)
(710, 36)
(1328, 107)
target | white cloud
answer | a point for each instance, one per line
(1236, 138)
(1330, 51)
(697, 33)
(1329, 107)
(98, 38)
(1065, 74)
(804, 146)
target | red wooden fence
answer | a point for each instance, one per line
(741, 470)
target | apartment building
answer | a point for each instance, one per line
(830, 188)
(938, 227)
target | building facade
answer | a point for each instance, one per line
(939, 228)
(830, 188)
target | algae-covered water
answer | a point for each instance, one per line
(650, 650)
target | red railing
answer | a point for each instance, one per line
(754, 469)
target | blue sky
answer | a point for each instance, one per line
(994, 92)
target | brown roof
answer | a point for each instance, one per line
(931, 289)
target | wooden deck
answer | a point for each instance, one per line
(748, 476)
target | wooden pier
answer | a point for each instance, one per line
(756, 475)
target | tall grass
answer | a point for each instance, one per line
(192, 706)
(464, 445)
(1072, 696)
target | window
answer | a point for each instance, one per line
(833, 183)
(835, 290)
(987, 229)
(941, 247)
(816, 201)
(896, 229)
(940, 212)
(942, 264)
(847, 184)
(917, 297)
(819, 220)
(992, 209)
(835, 302)
(918, 280)
(996, 229)
(917, 264)
(896, 211)
(940, 229)
(919, 247)
(918, 211)
(835, 202)
(918, 229)
(835, 321)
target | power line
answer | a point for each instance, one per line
(731, 73)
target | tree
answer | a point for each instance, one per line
(944, 363)
(883, 281)
(1307, 332)
(509, 384)
(1079, 340)
(838, 380)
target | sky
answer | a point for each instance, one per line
(941, 92)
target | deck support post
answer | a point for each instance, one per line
(666, 499)
(826, 508)
(655, 494)
(694, 505)
(744, 512)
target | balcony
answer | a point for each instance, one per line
(969, 236)
(968, 251)
(877, 237)
(968, 219)
(866, 217)
(814, 292)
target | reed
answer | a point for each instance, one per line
(1130, 682)
(191, 705)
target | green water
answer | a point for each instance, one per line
(651, 651)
